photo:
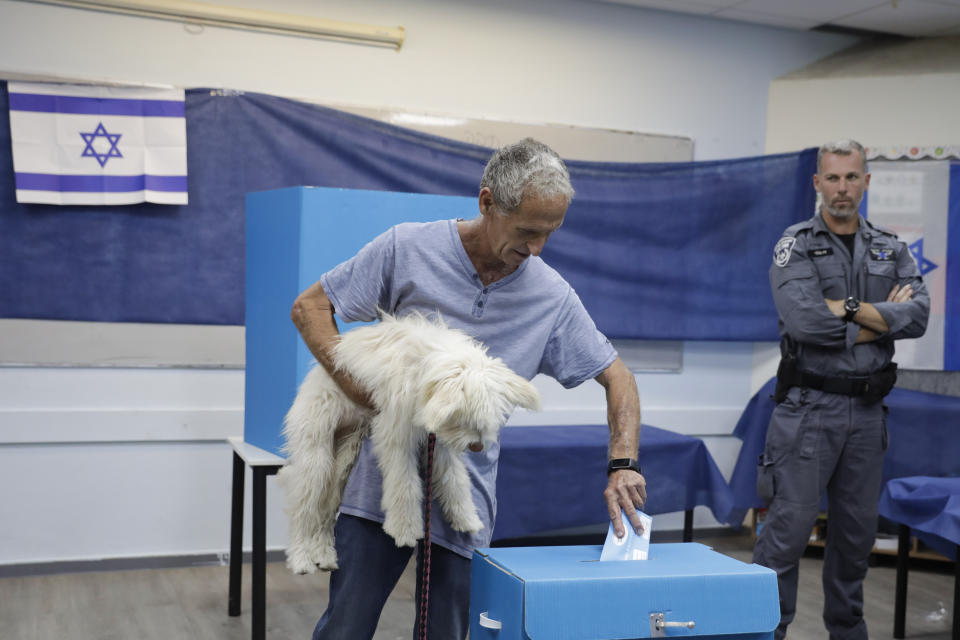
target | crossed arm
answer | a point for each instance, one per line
(872, 324)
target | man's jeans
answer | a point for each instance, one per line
(370, 565)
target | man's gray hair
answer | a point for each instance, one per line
(522, 168)
(843, 148)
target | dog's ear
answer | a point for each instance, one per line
(442, 397)
(494, 390)
(523, 394)
(480, 392)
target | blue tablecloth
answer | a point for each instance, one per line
(553, 477)
(929, 506)
(924, 439)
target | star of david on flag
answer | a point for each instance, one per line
(925, 266)
(919, 200)
(91, 139)
(93, 145)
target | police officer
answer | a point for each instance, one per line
(845, 289)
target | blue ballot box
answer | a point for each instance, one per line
(565, 593)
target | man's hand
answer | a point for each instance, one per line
(897, 294)
(627, 490)
(900, 294)
(868, 316)
(836, 307)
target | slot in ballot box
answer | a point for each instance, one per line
(565, 593)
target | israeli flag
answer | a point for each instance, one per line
(95, 145)
(920, 201)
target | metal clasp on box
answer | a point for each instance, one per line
(658, 626)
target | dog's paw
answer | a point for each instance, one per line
(468, 522)
(462, 516)
(326, 559)
(305, 561)
(299, 561)
(404, 533)
(321, 550)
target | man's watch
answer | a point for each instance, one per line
(851, 305)
(619, 464)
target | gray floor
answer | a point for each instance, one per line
(191, 603)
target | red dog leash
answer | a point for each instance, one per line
(425, 566)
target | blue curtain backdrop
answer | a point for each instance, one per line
(657, 251)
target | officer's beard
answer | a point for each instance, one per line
(842, 214)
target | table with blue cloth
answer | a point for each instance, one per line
(553, 477)
(923, 430)
(930, 507)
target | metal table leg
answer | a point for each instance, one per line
(956, 597)
(236, 536)
(258, 621)
(688, 525)
(903, 567)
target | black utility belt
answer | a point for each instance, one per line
(872, 388)
(876, 385)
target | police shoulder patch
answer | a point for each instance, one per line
(781, 253)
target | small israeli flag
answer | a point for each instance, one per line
(87, 144)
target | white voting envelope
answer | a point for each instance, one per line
(631, 546)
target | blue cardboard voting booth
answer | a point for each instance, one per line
(565, 593)
(293, 236)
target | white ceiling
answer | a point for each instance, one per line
(914, 18)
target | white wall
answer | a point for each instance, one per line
(569, 62)
(129, 462)
(896, 95)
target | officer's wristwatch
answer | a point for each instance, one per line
(851, 305)
(619, 464)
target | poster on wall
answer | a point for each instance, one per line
(912, 199)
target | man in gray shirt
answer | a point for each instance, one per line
(845, 290)
(482, 276)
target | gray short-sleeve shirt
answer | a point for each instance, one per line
(532, 319)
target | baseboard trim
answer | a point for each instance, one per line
(128, 564)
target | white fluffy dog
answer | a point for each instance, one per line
(423, 378)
